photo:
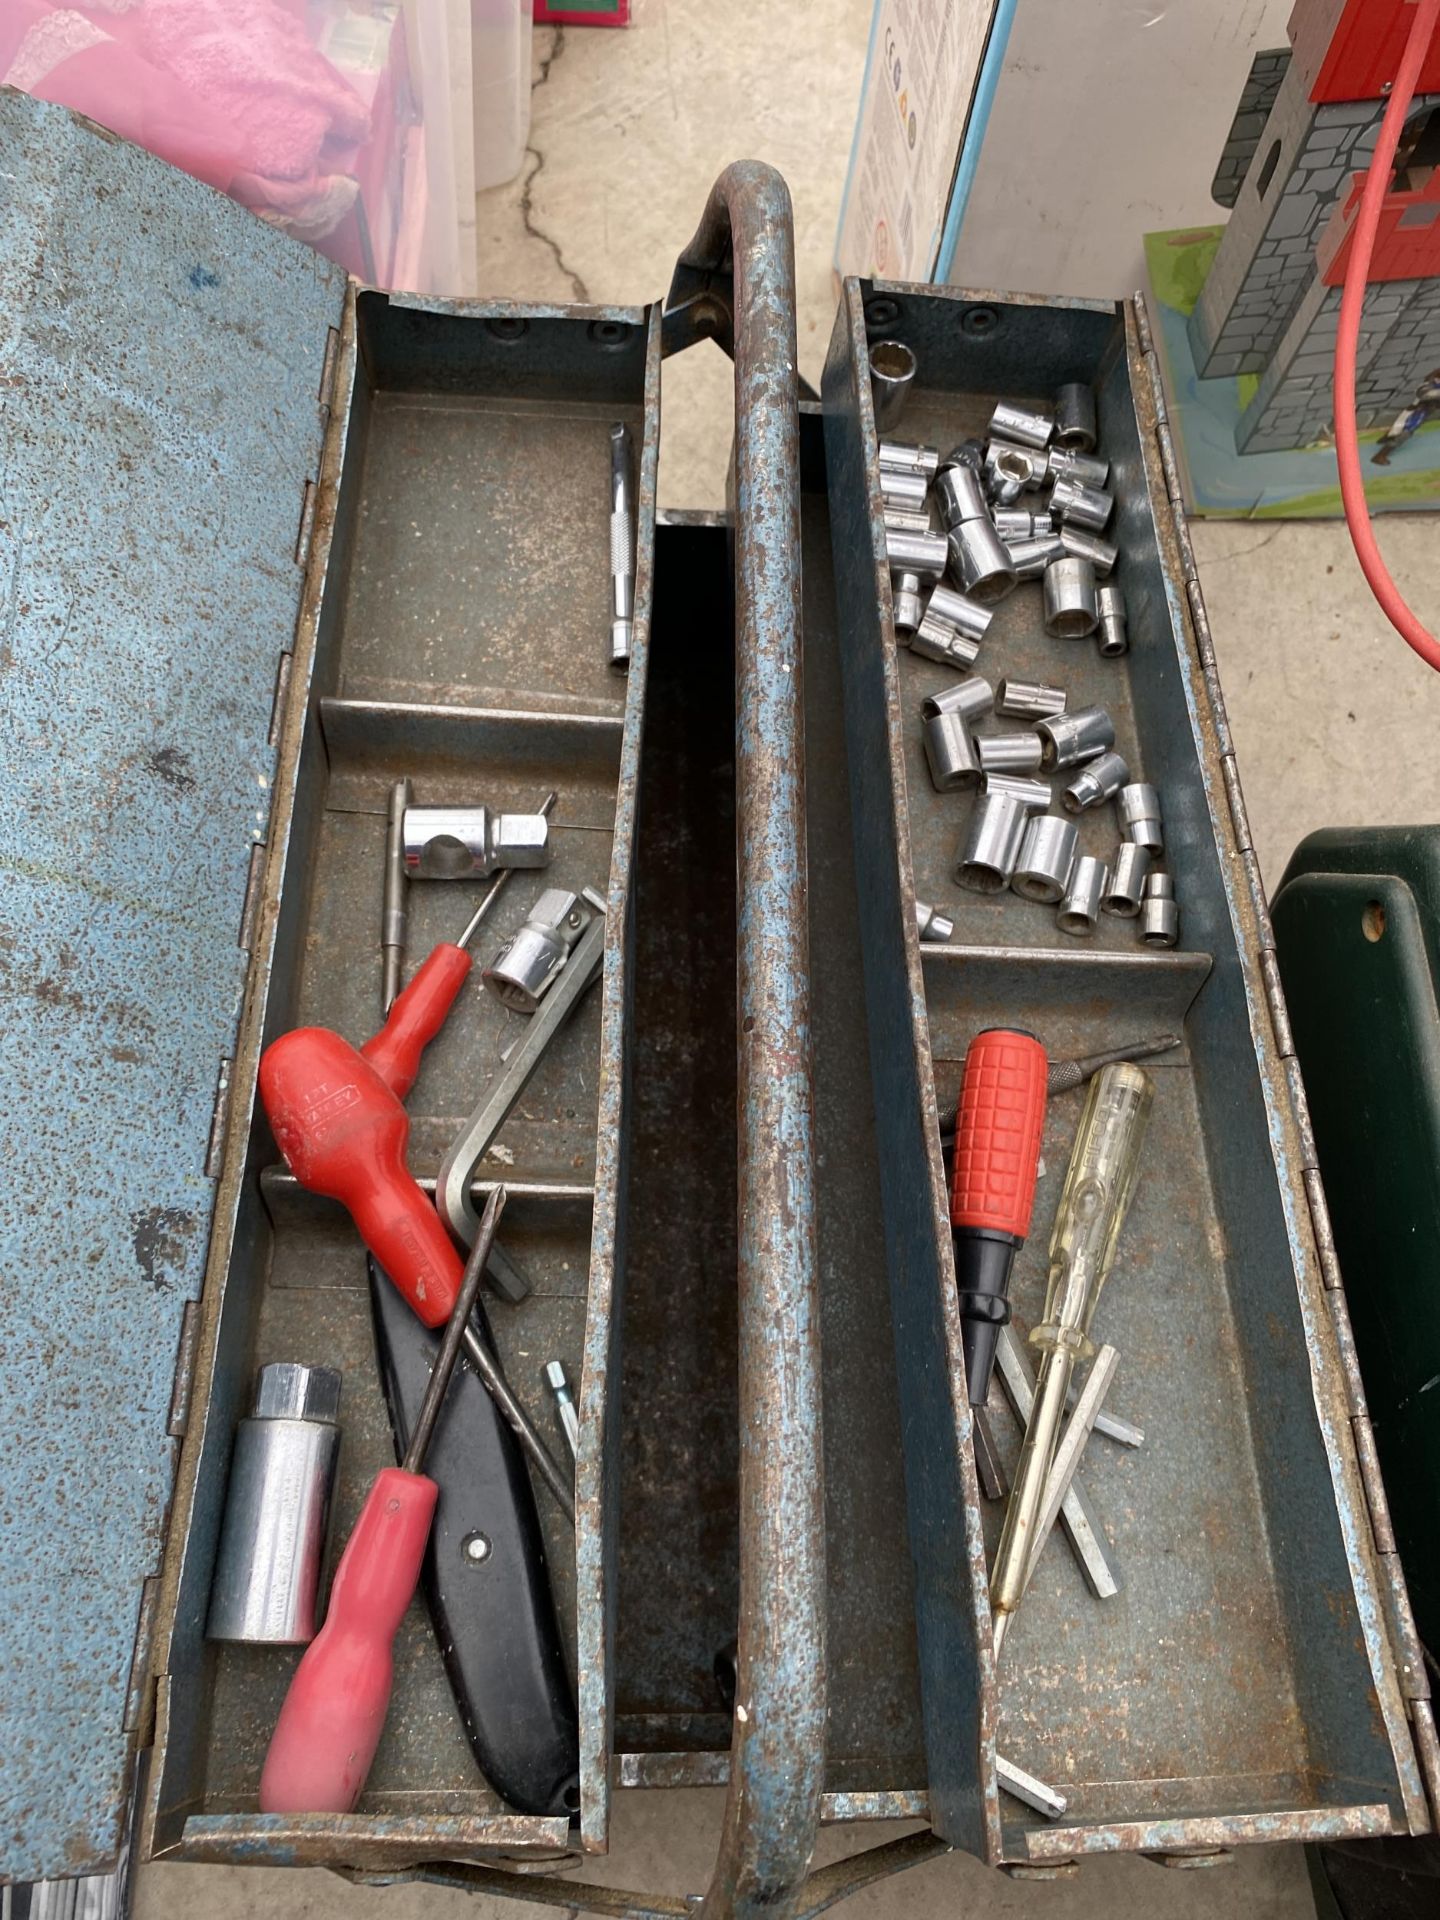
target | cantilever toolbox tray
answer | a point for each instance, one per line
(272, 541)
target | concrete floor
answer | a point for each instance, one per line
(1335, 722)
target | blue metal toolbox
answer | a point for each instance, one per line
(271, 541)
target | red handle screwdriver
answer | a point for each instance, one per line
(334, 1713)
(337, 1117)
(998, 1125)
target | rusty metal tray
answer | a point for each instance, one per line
(1251, 1680)
(459, 605)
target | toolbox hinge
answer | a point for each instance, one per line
(184, 1371)
(219, 1121)
(307, 523)
(329, 368)
(139, 1694)
(280, 695)
(251, 908)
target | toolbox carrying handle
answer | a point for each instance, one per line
(735, 282)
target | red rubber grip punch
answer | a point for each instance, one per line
(999, 1121)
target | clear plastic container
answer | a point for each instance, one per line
(500, 36)
(346, 126)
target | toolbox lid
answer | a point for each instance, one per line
(161, 356)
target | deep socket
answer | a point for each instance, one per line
(1075, 425)
(980, 560)
(1009, 753)
(1113, 636)
(1080, 909)
(1159, 912)
(1128, 873)
(1139, 809)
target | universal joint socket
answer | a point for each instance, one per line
(1023, 425)
(1112, 634)
(1139, 806)
(980, 560)
(1099, 780)
(530, 959)
(1071, 610)
(932, 925)
(1128, 874)
(1159, 912)
(467, 843)
(1070, 738)
(1075, 425)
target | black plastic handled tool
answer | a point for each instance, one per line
(486, 1581)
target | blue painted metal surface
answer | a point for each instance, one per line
(778, 1743)
(161, 355)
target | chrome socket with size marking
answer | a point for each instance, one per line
(1080, 909)
(992, 845)
(1113, 635)
(1071, 612)
(1047, 854)
(1029, 700)
(1140, 821)
(1128, 874)
(980, 561)
(1069, 739)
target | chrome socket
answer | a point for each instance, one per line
(980, 560)
(1029, 700)
(1102, 554)
(1128, 874)
(1070, 738)
(950, 753)
(915, 552)
(957, 610)
(467, 843)
(938, 640)
(909, 607)
(1075, 504)
(272, 1538)
(1073, 464)
(1099, 780)
(1075, 424)
(525, 966)
(1047, 855)
(903, 456)
(1024, 425)
(1071, 612)
(1018, 523)
(932, 925)
(892, 374)
(1080, 909)
(902, 520)
(1009, 753)
(1159, 912)
(1033, 795)
(1113, 635)
(1140, 819)
(1008, 468)
(1030, 558)
(969, 697)
(992, 845)
(906, 490)
(960, 491)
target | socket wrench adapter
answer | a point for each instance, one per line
(467, 843)
(530, 959)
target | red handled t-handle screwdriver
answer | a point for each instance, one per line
(334, 1713)
(998, 1124)
(337, 1117)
